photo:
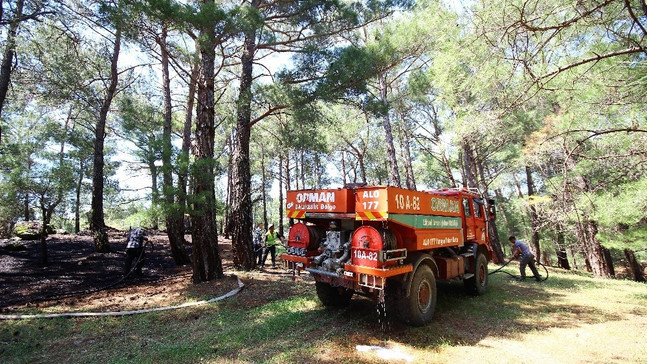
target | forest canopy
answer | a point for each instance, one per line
(216, 109)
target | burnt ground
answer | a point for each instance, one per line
(78, 277)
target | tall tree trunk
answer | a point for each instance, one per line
(469, 166)
(183, 168)
(394, 178)
(77, 202)
(155, 195)
(444, 161)
(448, 170)
(317, 166)
(634, 266)
(97, 223)
(562, 256)
(44, 256)
(522, 217)
(608, 260)
(286, 161)
(344, 177)
(264, 186)
(27, 215)
(573, 258)
(587, 230)
(501, 208)
(241, 213)
(296, 171)
(174, 212)
(534, 225)
(303, 168)
(406, 154)
(230, 184)
(207, 264)
(9, 54)
(594, 257)
(281, 214)
(360, 161)
(493, 231)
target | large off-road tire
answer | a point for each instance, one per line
(333, 296)
(477, 285)
(418, 308)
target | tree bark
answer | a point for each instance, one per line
(183, 169)
(207, 264)
(230, 183)
(303, 168)
(634, 266)
(437, 133)
(534, 225)
(587, 230)
(280, 178)
(77, 202)
(406, 151)
(263, 186)
(174, 212)
(469, 166)
(608, 261)
(97, 223)
(562, 256)
(500, 208)
(44, 256)
(25, 207)
(155, 196)
(241, 211)
(286, 160)
(8, 56)
(344, 178)
(394, 178)
(493, 231)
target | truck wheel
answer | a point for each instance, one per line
(418, 308)
(333, 296)
(477, 285)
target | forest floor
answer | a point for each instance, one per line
(78, 277)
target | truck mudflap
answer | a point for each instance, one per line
(374, 278)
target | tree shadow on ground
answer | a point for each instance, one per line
(509, 309)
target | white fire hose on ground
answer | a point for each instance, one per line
(125, 313)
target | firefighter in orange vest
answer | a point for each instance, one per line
(272, 239)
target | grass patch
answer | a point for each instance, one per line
(570, 318)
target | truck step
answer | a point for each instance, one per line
(468, 254)
(468, 275)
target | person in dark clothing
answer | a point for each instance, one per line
(272, 238)
(135, 250)
(258, 235)
(527, 258)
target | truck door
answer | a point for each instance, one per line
(468, 218)
(479, 220)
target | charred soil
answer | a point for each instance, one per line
(78, 278)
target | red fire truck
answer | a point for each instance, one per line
(389, 243)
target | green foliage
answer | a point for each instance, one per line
(501, 77)
(622, 213)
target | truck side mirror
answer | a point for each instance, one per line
(491, 209)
